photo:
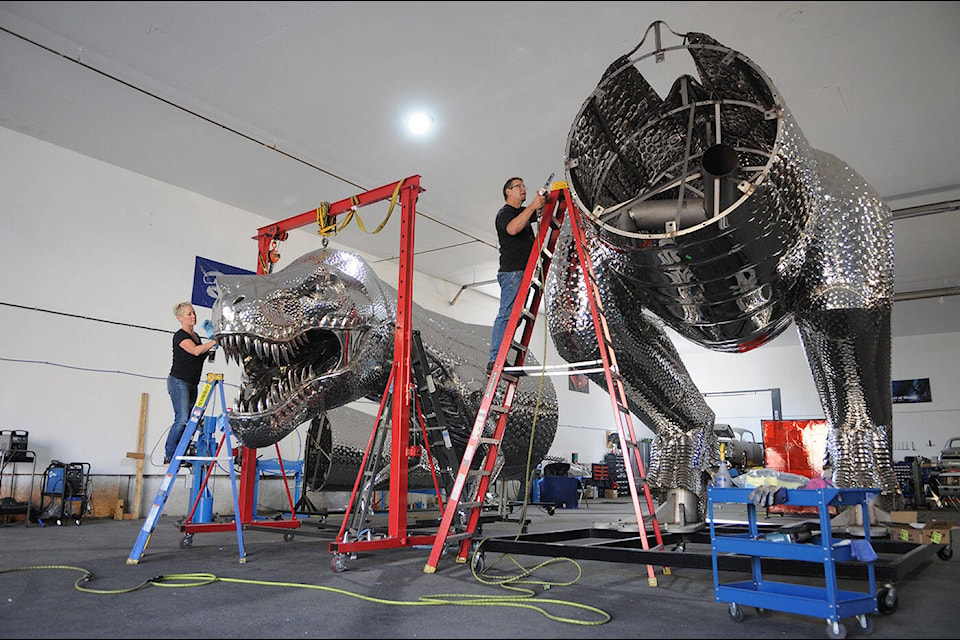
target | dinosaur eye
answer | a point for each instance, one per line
(239, 299)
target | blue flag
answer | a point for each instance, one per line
(205, 280)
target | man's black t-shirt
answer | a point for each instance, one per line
(514, 250)
(186, 366)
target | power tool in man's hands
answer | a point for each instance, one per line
(544, 190)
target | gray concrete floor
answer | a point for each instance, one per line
(75, 581)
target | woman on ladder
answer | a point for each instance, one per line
(183, 382)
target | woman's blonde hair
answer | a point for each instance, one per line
(180, 307)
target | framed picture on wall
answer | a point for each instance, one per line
(916, 390)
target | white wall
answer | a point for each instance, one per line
(95, 257)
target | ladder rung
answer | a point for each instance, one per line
(519, 346)
(453, 537)
(475, 473)
(495, 441)
(546, 252)
(470, 505)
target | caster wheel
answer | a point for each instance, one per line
(187, 541)
(887, 600)
(339, 563)
(764, 613)
(836, 630)
(865, 624)
(945, 552)
(287, 537)
(59, 522)
(735, 612)
(77, 521)
(551, 511)
(479, 563)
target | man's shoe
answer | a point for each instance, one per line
(489, 368)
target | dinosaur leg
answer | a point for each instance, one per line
(848, 351)
(844, 324)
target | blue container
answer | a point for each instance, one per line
(562, 491)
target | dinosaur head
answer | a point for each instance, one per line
(313, 336)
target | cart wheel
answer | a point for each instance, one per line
(77, 521)
(887, 600)
(836, 630)
(186, 541)
(735, 612)
(866, 624)
(339, 563)
(287, 537)
(764, 613)
(945, 552)
(551, 511)
(479, 563)
(59, 522)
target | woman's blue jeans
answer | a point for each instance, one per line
(183, 395)
(509, 286)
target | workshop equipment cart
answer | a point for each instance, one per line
(827, 602)
(64, 492)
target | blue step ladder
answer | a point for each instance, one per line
(214, 381)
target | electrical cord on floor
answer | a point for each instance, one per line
(510, 581)
(184, 580)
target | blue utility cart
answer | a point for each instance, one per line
(828, 602)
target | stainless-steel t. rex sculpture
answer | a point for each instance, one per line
(317, 335)
(709, 212)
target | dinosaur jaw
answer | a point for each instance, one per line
(280, 377)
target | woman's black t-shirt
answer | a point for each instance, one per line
(186, 366)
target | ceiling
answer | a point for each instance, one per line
(275, 107)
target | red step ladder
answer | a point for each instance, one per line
(525, 310)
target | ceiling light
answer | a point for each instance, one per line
(419, 123)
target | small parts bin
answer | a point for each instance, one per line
(827, 602)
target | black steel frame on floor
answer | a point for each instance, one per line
(896, 560)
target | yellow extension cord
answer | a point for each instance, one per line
(527, 599)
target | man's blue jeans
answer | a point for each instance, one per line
(183, 395)
(509, 286)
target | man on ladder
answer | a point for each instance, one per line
(524, 313)
(516, 238)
